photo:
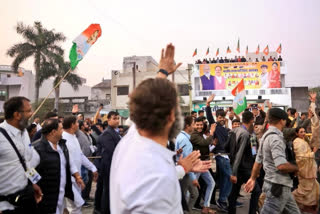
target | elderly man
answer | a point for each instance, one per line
(207, 80)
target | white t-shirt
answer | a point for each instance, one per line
(143, 177)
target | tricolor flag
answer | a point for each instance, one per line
(240, 101)
(228, 50)
(266, 50)
(82, 44)
(207, 51)
(247, 50)
(217, 53)
(195, 52)
(279, 49)
(258, 49)
(238, 46)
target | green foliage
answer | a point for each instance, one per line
(41, 44)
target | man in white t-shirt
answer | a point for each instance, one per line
(143, 175)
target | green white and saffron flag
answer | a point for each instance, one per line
(240, 101)
(82, 44)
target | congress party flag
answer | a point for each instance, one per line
(82, 44)
(240, 101)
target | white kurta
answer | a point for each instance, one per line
(78, 159)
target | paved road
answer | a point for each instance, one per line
(242, 210)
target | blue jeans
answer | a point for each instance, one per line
(223, 165)
(206, 176)
(84, 174)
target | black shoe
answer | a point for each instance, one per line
(197, 207)
(86, 205)
(223, 206)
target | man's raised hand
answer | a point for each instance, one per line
(167, 59)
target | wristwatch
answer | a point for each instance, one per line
(164, 72)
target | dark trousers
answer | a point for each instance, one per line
(86, 191)
(242, 178)
(102, 199)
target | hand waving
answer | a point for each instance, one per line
(313, 96)
(167, 59)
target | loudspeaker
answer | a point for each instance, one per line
(259, 97)
(223, 98)
(204, 98)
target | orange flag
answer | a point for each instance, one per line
(195, 52)
(279, 49)
(247, 51)
(258, 49)
(228, 50)
(266, 50)
(217, 53)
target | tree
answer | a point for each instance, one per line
(41, 44)
(73, 79)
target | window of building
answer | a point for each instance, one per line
(122, 90)
(3, 95)
(183, 90)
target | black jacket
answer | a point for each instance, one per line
(106, 144)
(244, 159)
(49, 169)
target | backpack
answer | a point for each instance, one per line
(231, 146)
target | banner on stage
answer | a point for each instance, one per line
(225, 76)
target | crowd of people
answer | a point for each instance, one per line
(163, 162)
(236, 59)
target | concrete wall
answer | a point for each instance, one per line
(100, 93)
(126, 79)
(300, 98)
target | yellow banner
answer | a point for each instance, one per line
(226, 76)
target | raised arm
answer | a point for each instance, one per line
(208, 109)
(167, 63)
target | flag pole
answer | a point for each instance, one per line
(36, 111)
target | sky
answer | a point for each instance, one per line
(143, 27)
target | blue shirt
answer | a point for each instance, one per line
(183, 140)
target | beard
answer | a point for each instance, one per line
(176, 126)
(23, 123)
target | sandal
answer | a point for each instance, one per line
(207, 210)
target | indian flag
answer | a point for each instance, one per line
(82, 44)
(240, 101)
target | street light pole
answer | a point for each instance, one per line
(134, 74)
(190, 87)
